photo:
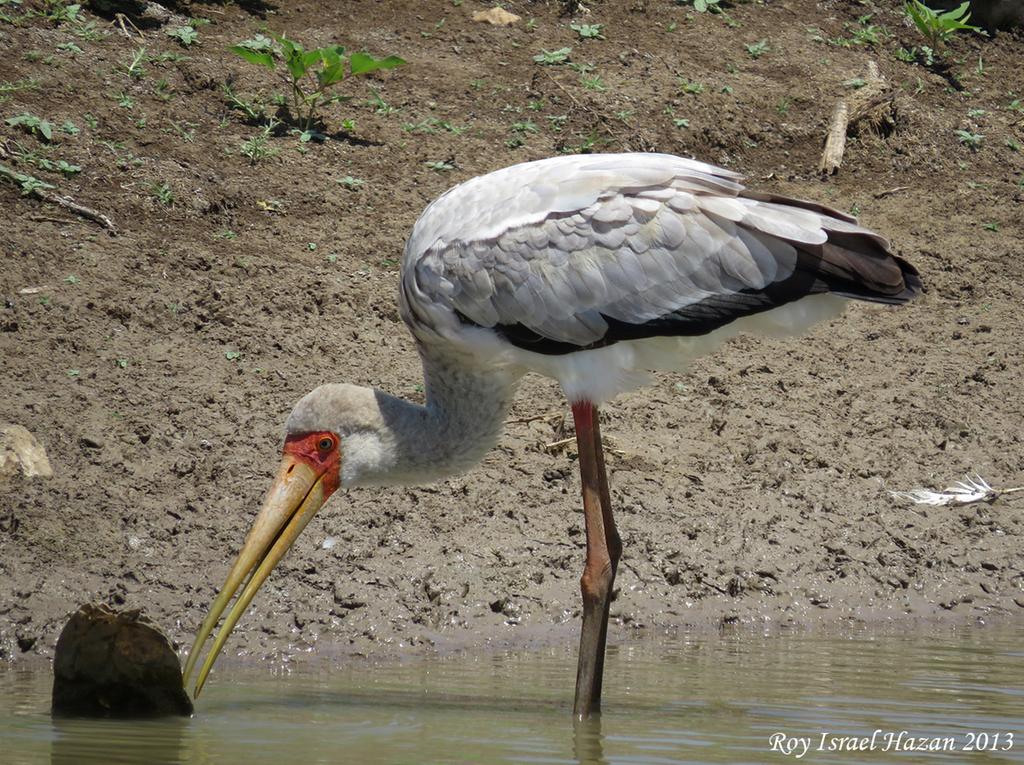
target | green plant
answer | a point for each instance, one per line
(33, 124)
(588, 31)
(57, 12)
(310, 74)
(936, 27)
(186, 35)
(6, 88)
(351, 183)
(907, 56)
(971, 140)
(437, 28)
(162, 193)
(257, 148)
(706, 6)
(440, 165)
(693, 88)
(87, 30)
(524, 127)
(66, 168)
(593, 83)
(552, 57)
(558, 121)
(134, 67)
(29, 184)
(253, 110)
(430, 125)
(758, 49)
(380, 106)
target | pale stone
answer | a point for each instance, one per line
(20, 452)
(497, 16)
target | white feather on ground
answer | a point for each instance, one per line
(971, 490)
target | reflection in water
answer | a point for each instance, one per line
(587, 743)
(154, 742)
(693, 699)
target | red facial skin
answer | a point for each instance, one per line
(324, 458)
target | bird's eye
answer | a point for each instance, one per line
(326, 444)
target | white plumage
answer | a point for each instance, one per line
(561, 246)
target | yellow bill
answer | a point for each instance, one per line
(300, 489)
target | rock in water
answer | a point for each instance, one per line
(116, 664)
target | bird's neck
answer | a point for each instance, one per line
(465, 410)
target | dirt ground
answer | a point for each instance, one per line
(157, 365)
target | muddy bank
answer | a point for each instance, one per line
(157, 366)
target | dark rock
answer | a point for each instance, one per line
(116, 664)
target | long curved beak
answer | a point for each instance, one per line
(293, 499)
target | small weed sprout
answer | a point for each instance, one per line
(6, 88)
(380, 106)
(706, 6)
(57, 12)
(134, 67)
(310, 74)
(162, 193)
(351, 183)
(186, 35)
(690, 87)
(524, 127)
(253, 110)
(66, 168)
(553, 57)
(971, 140)
(588, 31)
(936, 27)
(758, 49)
(257, 147)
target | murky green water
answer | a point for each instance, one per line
(706, 698)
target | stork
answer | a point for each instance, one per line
(594, 270)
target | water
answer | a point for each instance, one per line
(706, 698)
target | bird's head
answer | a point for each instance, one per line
(324, 425)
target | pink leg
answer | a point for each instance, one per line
(603, 550)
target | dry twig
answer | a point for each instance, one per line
(871, 103)
(20, 179)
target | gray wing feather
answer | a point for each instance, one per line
(556, 245)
